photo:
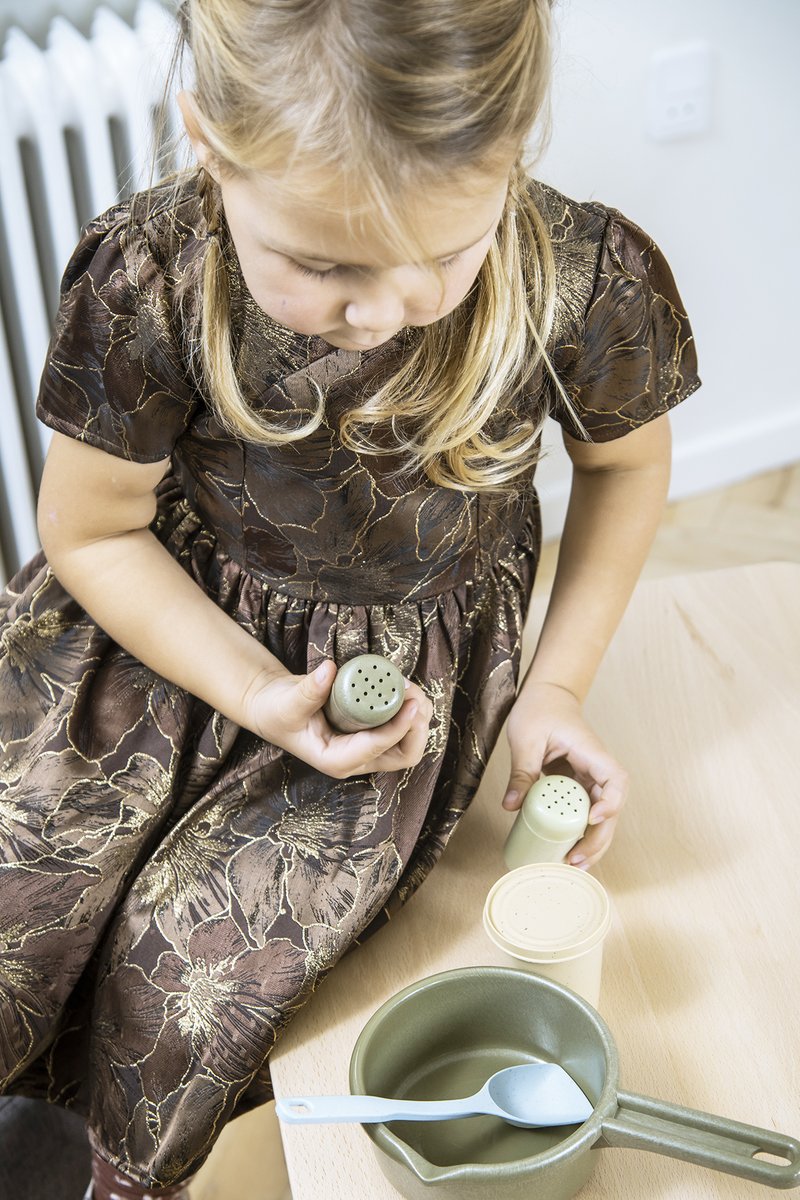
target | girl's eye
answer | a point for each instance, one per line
(312, 274)
(444, 264)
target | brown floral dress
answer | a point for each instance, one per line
(172, 889)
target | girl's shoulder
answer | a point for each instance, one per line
(601, 257)
(621, 342)
(580, 229)
(575, 233)
(569, 220)
(154, 234)
(117, 373)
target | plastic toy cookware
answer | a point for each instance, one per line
(445, 1034)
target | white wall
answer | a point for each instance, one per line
(723, 206)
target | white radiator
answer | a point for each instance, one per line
(77, 123)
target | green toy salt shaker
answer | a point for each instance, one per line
(552, 819)
(368, 690)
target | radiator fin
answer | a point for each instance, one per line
(77, 130)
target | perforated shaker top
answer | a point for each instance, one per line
(556, 808)
(368, 690)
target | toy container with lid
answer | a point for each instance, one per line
(552, 919)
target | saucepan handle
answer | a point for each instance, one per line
(643, 1123)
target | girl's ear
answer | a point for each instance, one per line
(194, 132)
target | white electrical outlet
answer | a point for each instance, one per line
(679, 92)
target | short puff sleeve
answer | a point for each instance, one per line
(634, 358)
(113, 376)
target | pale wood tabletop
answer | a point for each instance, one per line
(699, 696)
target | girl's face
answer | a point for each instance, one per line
(310, 270)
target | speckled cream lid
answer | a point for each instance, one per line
(547, 912)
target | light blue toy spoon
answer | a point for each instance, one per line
(533, 1094)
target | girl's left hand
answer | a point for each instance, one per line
(545, 724)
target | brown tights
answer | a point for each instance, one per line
(108, 1184)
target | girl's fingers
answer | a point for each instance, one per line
(408, 752)
(312, 690)
(519, 784)
(593, 845)
(412, 746)
(608, 798)
(604, 779)
(397, 744)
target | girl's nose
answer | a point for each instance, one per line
(376, 307)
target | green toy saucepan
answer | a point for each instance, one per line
(444, 1035)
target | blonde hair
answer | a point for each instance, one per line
(415, 91)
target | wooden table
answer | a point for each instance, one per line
(699, 696)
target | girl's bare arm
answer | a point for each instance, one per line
(94, 513)
(619, 489)
(618, 494)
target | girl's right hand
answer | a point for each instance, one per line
(286, 710)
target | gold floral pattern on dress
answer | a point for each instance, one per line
(172, 888)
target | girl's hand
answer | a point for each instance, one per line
(286, 709)
(546, 723)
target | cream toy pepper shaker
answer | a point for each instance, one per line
(552, 819)
(368, 690)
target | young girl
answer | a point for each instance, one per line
(297, 396)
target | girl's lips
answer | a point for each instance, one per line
(359, 345)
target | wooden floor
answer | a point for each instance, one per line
(754, 521)
(246, 1162)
